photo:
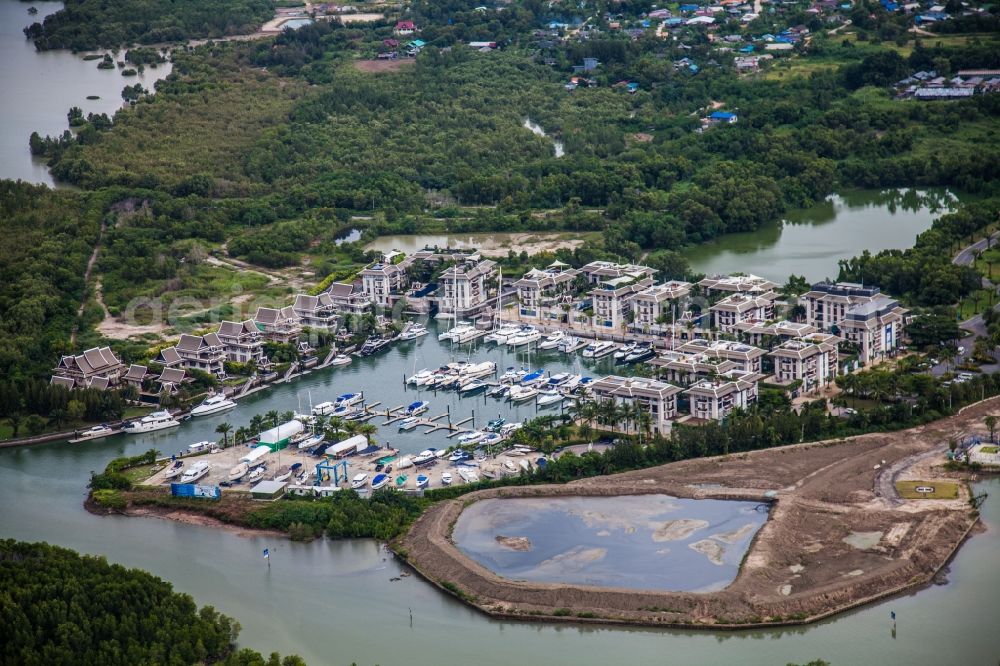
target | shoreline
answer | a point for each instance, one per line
(800, 567)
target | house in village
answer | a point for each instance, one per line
(404, 28)
(384, 280)
(463, 288)
(196, 352)
(739, 308)
(318, 312)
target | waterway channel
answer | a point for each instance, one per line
(40, 87)
(333, 602)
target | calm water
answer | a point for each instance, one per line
(643, 542)
(39, 88)
(333, 603)
(810, 242)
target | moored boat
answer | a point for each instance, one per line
(409, 423)
(151, 423)
(547, 398)
(425, 457)
(97, 432)
(471, 437)
(525, 336)
(420, 378)
(522, 393)
(552, 340)
(401, 481)
(472, 387)
(417, 408)
(624, 351)
(341, 359)
(379, 481)
(533, 377)
(348, 399)
(213, 405)
(413, 331)
(598, 349)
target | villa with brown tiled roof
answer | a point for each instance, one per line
(95, 362)
(278, 325)
(242, 341)
(197, 352)
(385, 279)
(463, 288)
(136, 375)
(316, 311)
(656, 397)
(171, 379)
(344, 298)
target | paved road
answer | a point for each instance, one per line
(968, 255)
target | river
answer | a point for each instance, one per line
(811, 241)
(40, 87)
(332, 602)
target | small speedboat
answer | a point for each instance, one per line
(97, 432)
(175, 471)
(417, 408)
(458, 455)
(310, 442)
(567, 343)
(492, 438)
(409, 423)
(546, 398)
(283, 474)
(214, 405)
(348, 399)
(468, 474)
(341, 359)
(497, 390)
(323, 408)
(471, 437)
(525, 465)
(513, 374)
(405, 462)
(558, 379)
(379, 481)
(533, 377)
(446, 479)
(255, 473)
(494, 425)
(422, 481)
(359, 481)
(238, 472)
(401, 480)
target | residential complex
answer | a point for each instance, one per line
(541, 294)
(863, 316)
(742, 308)
(715, 398)
(656, 305)
(811, 360)
(242, 341)
(95, 368)
(657, 397)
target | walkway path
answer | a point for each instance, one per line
(86, 280)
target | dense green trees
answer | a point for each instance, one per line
(57, 607)
(91, 24)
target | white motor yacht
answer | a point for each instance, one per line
(359, 481)
(522, 393)
(598, 349)
(525, 336)
(503, 333)
(413, 331)
(213, 405)
(238, 472)
(552, 341)
(420, 378)
(624, 351)
(546, 398)
(151, 422)
(97, 432)
(195, 472)
(341, 359)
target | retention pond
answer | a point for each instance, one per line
(645, 542)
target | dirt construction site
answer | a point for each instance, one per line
(839, 534)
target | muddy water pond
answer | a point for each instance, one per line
(647, 542)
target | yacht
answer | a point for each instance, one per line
(310, 442)
(503, 333)
(470, 437)
(546, 398)
(97, 432)
(283, 474)
(509, 465)
(373, 345)
(324, 408)
(341, 359)
(380, 481)
(497, 391)
(255, 473)
(495, 424)
(174, 471)
(558, 379)
(512, 374)
(151, 422)
(425, 457)
(552, 341)
(238, 472)
(571, 383)
(568, 343)
(413, 331)
(446, 479)
(522, 393)
(525, 336)
(458, 455)
(359, 481)
(409, 423)
(463, 331)
(420, 378)
(349, 399)
(478, 369)
(598, 349)
(641, 353)
(195, 472)
(473, 387)
(623, 351)
(533, 377)
(214, 405)
(418, 408)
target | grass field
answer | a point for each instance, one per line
(942, 489)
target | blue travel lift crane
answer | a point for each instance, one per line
(327, 469)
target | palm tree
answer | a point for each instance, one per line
(241, 434)
(991, 423)
(272, 418)
(644, 421)
(368, 430)
(256, 423)
(223, 429)
(319, 424)
(336, 424)
(287, 416)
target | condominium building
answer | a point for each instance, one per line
(859, 314)
(740, 308)
(384, 279)
(810, 359)
(652, 306)
(746, 357)
(684, 368)
(84, 370)
(657, 397)
(602, 271)
(242, 341)
(463, 287)
(714, 399)
(770, 333)
(542, 293)
(736, 284)
(611, 299)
